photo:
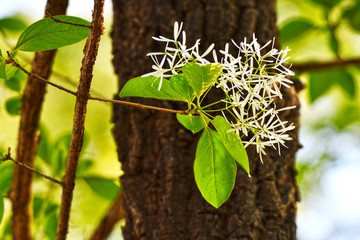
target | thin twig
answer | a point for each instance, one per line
(183, 112)
(65, 22)
(8, 157)
(302, 67)
(77, 137)
(143, 106)
(15, 64)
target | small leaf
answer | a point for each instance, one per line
(84, 166)
(6, 173)
(2, 207)
(294, 29)
(13, 105)
(37, 206)
(214, 169)
(201, 77)
(192, 123)
(51, 225)
(10, 70)
(105, 188)
(2, 71)
(180, 85)
(13, 24)
(232, 142)
(147, 87)
(46, 34)
(352, 14)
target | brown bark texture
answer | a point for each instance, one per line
(31, 106)
(160, 196)
(88, 62)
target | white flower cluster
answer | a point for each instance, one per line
(251, 81)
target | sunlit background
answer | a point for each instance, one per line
(328, 163)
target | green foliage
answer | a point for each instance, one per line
(200, 78)
(2, 208)
(46, 34)
(321, 81)
(326, 3)
(181, 86)
(214, 168)
(232, 142)
(51, 225)
(333, 42)
(16, 82)
(295, 29)
(104, 187)
(13, 24)
(191, 122)
(148, 87)
(352, 14)
(6, 170)
(13, 105)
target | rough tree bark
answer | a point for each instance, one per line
(28, 140)
(160, 197)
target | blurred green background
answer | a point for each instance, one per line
(316, 31)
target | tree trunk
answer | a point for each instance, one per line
(160, 197)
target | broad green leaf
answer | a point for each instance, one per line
(294, 29)
(180, 85)
(214, 168)
(2, 207)
(6, 173)
(192, 123)
(232, 142)
(13, 24)
(46, 34)
(44, 150)
(148, 87)
(200, 78)
(13, 105)
(321, 81)
(104, 187)
(51, 225)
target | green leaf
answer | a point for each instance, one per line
(192, 123)
(321, 81)
(84, 166)
(6, 173)
(232, 142)
(104, 187)
(13, 105)
(294, 29)
(2, 71)
(10, 70)
(46, 34)
(148, 87)
(180, 85)
(214, 169)
(51, 225)
(2, 207)
(200, 78)
(13, 24)
(38, 204)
